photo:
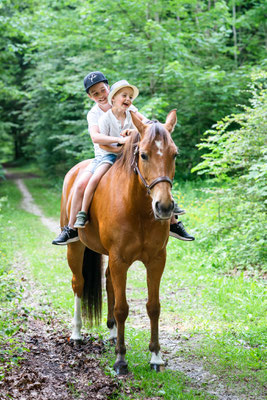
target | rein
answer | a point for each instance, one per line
(152, 184)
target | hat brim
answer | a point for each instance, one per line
(115, 90)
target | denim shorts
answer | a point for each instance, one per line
(106, 159)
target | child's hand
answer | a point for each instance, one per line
(127, 132)
(122, 140)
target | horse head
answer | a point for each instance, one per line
(155, 162)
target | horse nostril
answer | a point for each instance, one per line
(157, 206)
(163, 208)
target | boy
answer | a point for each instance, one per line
(96, 86)
(112, 123)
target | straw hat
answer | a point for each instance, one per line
(120, 85)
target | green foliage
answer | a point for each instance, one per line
(13, 314)
(237, 160)
(14, 38)
(172, 50)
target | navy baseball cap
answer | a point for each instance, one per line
(93, 78)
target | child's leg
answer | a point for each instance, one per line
(68, 233)
(77, 199)
(92, 184)
(173, 219)
(88, 194)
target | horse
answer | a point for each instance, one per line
(129, 220)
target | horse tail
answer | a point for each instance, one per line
(92, 292)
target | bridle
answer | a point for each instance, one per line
(137, 171)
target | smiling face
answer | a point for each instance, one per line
(99, 93)
(123, 98)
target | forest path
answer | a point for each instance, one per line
(30, 206)
(199, 377)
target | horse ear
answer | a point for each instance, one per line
(171, 121)
(138, 123)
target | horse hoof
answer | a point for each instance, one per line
(121, 368)
(157, 367)
(78, 342)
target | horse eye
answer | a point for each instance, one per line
(175, 155)
(144, 156)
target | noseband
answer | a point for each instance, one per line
(155, 182)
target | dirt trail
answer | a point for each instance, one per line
(29, 205)
(200, 378)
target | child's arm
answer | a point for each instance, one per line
(112, 149)
(103, 139)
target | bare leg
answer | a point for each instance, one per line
(92, 184)
(76, 204)
(173, 219)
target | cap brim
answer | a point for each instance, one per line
(114, 91)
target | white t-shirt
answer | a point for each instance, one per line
(108, 124)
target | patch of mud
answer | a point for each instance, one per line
(57, 369)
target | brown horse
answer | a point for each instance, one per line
(129, 220)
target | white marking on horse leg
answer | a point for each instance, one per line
(159, 145)
(156, 359)
(113, 332)
(77, 320)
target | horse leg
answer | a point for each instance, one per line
(77, 319)
(118, 272)
(111, 323)
(154, 273)
(75, 255)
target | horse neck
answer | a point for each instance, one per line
(137, 195)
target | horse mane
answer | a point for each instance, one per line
(126, 158)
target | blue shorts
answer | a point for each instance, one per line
(106, 159)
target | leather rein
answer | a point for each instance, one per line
(153, 183)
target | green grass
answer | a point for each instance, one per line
(46, 195)
(219, 313)
(24, 167)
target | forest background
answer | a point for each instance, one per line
(205, 58)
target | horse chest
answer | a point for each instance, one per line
(146, 242)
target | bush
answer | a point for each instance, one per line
(237, 161)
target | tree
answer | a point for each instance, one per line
(194, 56)
(236, 158)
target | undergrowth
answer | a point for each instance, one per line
(217, 314)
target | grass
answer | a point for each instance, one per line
(218, 314)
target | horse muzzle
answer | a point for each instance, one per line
(161, 210)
